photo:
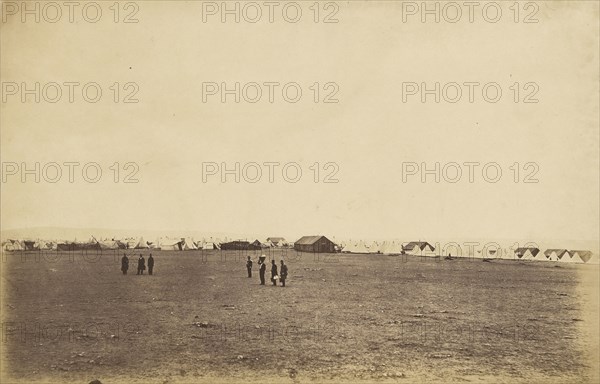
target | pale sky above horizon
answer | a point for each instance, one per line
(368, 134)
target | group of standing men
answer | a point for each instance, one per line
(282, 276)
(141, 264)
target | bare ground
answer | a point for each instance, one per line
(354, 318)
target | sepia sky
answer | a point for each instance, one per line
(368, 134)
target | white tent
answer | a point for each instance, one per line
(45, 245)
(554, 254)
(595, 260)
(141, 244)
(581, 256)
(348, 247)
(12, 245)
(131, 243)
(566, 258)
(374, 248)
(153, 244)
(360, 247)
(391, 248)
(541, 256)
(419, 248)
(526, 253)
(167, 244)
(189, 244)
(384, 246)
(108, 244)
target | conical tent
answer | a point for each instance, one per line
(374, 247)
(141, 244)
(393, 248)
(419, 248)
(384, 246)
(554, 254)
(12, 245)
(361, 248)
(566, 258)
(541, 256)
(131, 243)
(526, 254)
(594, 260)
(45, 245)
(581, 256)
(189, 245)
(348, 247)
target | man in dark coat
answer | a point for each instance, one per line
(262, 270)
(124, 264)
(249, 266)
(141, 265)
(284, 273)
(273, 273)
(150, 264)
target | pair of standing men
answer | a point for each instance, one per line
(263, 268)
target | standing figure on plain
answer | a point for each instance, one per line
(261, 271)
(124, 264)
(284, 273)
(141, 265)
(249, 266)
(274, 273)
(150, 264)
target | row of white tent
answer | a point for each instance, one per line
(179, 244)
(162, 243)
(426, 249)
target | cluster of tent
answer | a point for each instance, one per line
(162, 243)
(419, 248)
(386, 247)
(422, 248)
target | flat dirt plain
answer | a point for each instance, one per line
(73, 317)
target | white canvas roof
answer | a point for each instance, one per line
(566, 258)
(141, 244)
(167, 244)
(108, 244)
(374, 247)
(189, 244)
